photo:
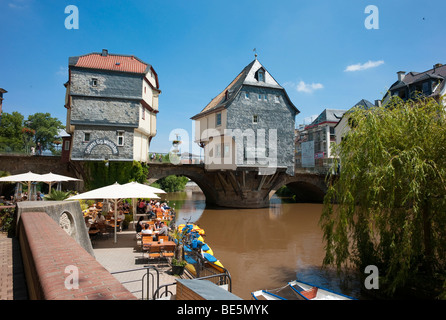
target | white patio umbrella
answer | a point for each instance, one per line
(140, 186)
(53, 177)
(115, 192)
(26, 178)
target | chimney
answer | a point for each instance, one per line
(104, 52)
(437, 65)
(401, 75)
(378, 103)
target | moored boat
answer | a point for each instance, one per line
(311, 292)
(196, 249)
(299, 290)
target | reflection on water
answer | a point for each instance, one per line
(263, 248)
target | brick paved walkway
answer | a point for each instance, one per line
(12, 283)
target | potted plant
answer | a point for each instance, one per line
(178, 263)
(178, 266)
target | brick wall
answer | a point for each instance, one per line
(184, 293)
(47, 250)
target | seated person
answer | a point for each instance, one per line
(139, 225)
(121, 216)
(165, 206)
(163, 230)
(157, 223)
(147, 229)
(100, 219)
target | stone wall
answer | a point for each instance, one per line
(67, 214)
(109, 84)
(103, 110)
(271, 115)
(102, 143)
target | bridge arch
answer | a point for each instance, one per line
(194, 172)
(306, 187)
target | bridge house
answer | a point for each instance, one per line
(249, 124)
(112, 103)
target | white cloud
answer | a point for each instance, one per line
(308, 88)
(18, 4)
(359, 67)
(63, 71)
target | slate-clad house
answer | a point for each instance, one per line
(112, 103)
(430, 83)
(343, 126)
(322, 132)
(249, 124)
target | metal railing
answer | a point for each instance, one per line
(219, 282)
(148, 278)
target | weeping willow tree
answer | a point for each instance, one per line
(387, 205)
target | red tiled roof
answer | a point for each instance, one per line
(112, 62)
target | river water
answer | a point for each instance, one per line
(264, 248)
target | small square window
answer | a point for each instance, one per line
(276, 99)
(86, 136)
(259, 97)
(94, 82)
(265, 97)
(255, 119)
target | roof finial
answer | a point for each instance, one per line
(255, 54)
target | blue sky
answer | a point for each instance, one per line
(198, 47)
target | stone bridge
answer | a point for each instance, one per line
(244, 187)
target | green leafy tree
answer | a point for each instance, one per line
(11, 132)
(387, 205)
(46, 129)
(172, 183)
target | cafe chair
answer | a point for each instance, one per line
(154, 252)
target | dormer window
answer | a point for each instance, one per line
(260, 75)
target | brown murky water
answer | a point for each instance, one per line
(264, 248)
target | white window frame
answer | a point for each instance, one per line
(255, 118)
(120, 136)
(218, 123)
(85, 137)
(94, 82)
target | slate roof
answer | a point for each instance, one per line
(245, 78)
(364, 104)
(438, 72)
(328, 115)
